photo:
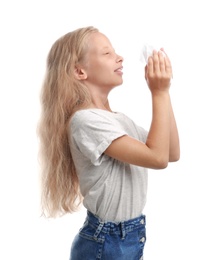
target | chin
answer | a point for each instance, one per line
(116, 84)
(119, 82)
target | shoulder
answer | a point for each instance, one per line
(93, 118)
(93, 114)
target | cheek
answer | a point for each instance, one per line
(95, 68)
(95, 74)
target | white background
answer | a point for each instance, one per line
(185, 201)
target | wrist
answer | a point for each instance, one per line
(158, 92)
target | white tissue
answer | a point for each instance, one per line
(147, 51)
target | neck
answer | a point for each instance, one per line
(99, 99)
(104, 105)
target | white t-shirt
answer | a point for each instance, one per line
(112, 190)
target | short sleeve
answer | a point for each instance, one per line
(93, 132)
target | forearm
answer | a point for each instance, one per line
(159, 134)
(174, 148)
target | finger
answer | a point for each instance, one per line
(168, 67)
(162, 49)
(165, 54)
(146, 68)
(156, 65)
(162, 63)
(167, 63)
(150, 66)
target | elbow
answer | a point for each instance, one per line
(174, 153)
(174, 157)
(161, 163)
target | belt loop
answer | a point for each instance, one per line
(123, 233)
(100, 226)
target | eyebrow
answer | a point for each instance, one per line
(108, 47)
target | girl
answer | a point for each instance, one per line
(93, 155)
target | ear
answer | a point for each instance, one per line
(80, 73)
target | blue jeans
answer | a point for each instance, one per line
(108, 240)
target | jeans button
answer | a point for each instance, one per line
(142, 221)
(142, 239)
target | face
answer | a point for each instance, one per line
(104, 66)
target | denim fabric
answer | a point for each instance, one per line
(108, 240)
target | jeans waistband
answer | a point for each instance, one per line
(122, 227)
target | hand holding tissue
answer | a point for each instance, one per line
(147, 51)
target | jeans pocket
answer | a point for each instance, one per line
(85, 246)
(88, 232)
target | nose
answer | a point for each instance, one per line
(119, 58)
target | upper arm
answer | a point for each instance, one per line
(132, 151)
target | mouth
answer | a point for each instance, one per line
(119, 70)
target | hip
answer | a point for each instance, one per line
(110, 240)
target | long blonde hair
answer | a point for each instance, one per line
(61, 96)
